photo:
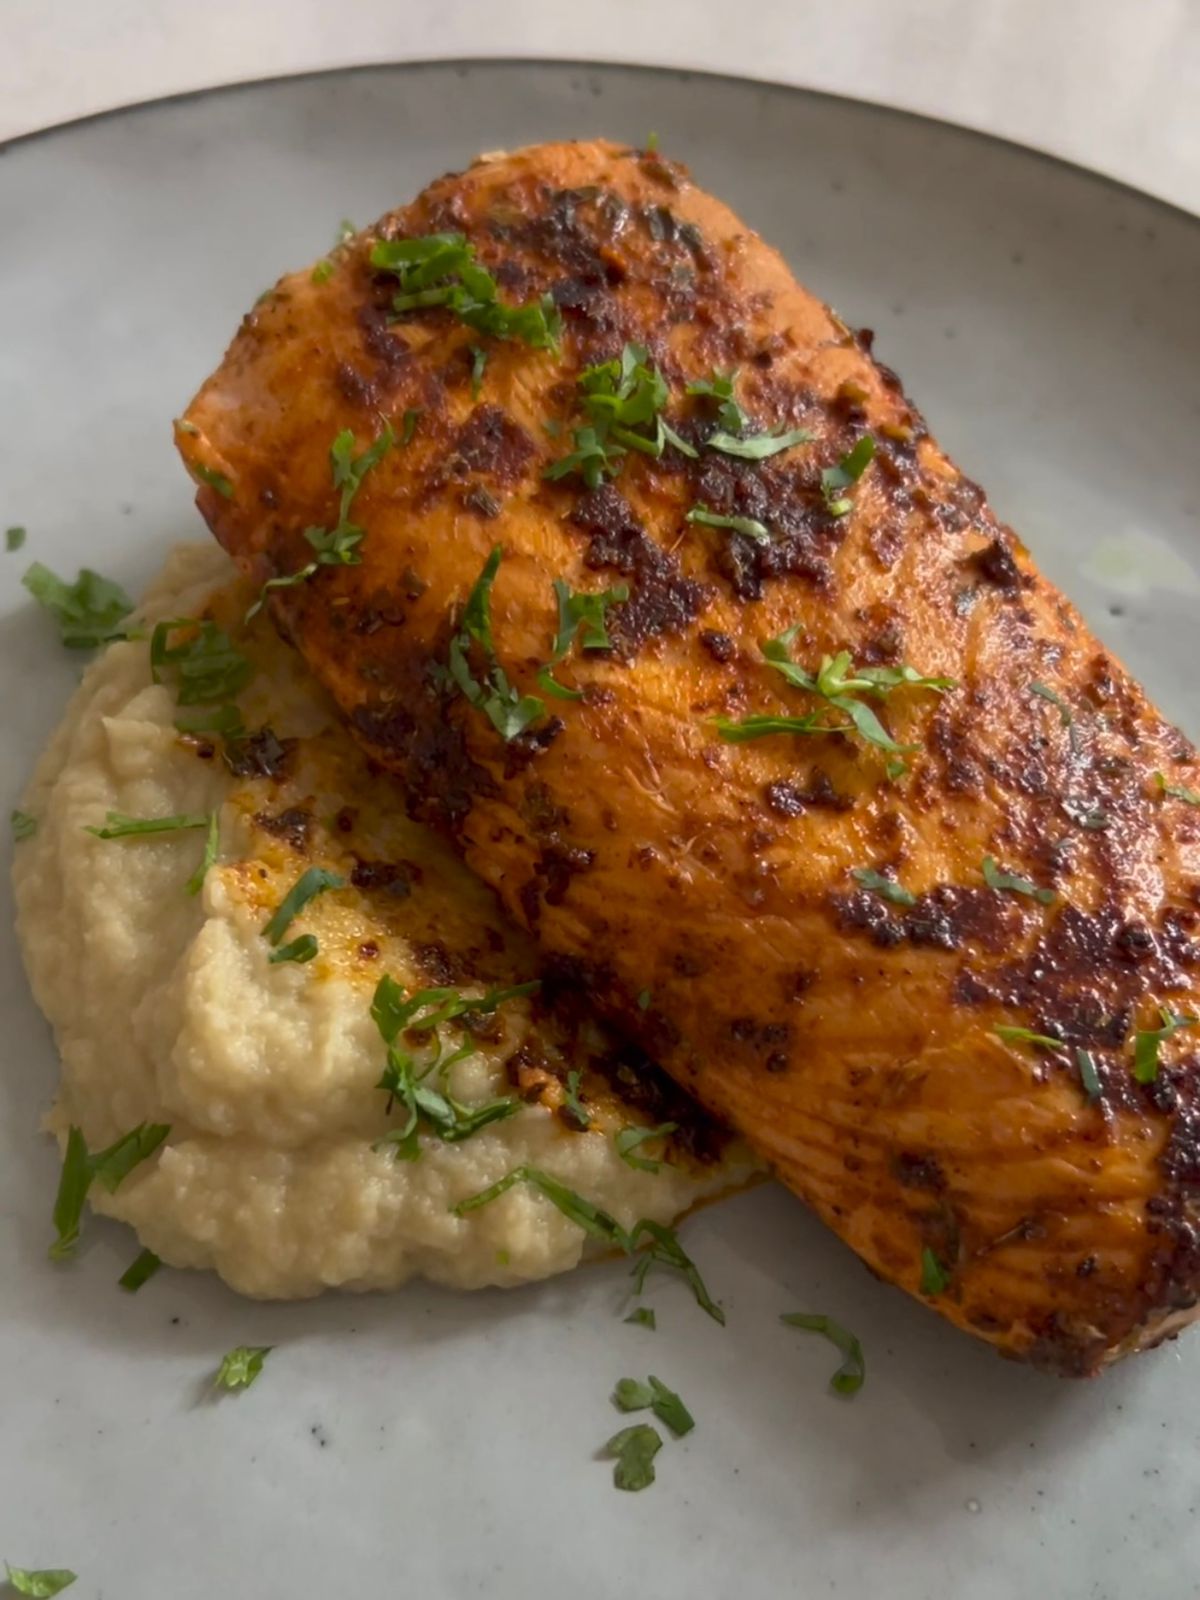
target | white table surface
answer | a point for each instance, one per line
(1111, 84)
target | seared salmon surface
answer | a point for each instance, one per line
(821, 792)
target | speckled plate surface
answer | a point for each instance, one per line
(1048, 324)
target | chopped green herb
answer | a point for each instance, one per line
(314, 881)
(1177, 791)
(88, 611)
(1042, 1041)
(935, 1278)
(720, 388)
(337, 546)
(1065, 715)
(80, 1169)
(508, 711)
(119, 826)
(849, 1377)
(440, 270)
(628, 1140)
(298, 950)
(1148, 1040)
(143, 1267)
(896, 768)
(643, 1317)
(573, 1105)
(759, 445)
(226, 720)
(838, 682)
(1001, 881)
(643, 1000)
(632, 1395)
(1088, 1074)
(408, 424)
(241, 1366)
(750, 526)
(650, 148)
(324, 270)
(620, 397)
(14, 538)
(214, 479)
(41, 1583)
(888, 888)
(23, 825)
(207, 666)
(635, 1449)
(212, 844)
(664, 1248)
(478, 363)
(581, 614)
(836, 480)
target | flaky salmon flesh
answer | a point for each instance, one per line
(821, 792)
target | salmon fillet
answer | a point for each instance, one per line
(843, 785)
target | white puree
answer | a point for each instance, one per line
(166, 1009)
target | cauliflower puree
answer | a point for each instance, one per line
(167, 1009)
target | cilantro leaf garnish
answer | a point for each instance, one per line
(23, 825)
(836, 480)
(635, 1449)
(580, 615)
(404, 1078)
(1007, 881)
(139, 1271)
(839, 683)
(630, 1394)
(578, 1114)
(508, 711)
(338, 546)
(1065, 715)
(750, 526)
(207, 666)
(14, 538)
(120, 826)
(850, 1376)
(42, 1583)
(298, 950)
(663, 1249)
(441, 270)
(212, 844)
(1177, 791)
(1041, 1041)
(720, 388)
(643, 1317)
(241, 1365)
(1088, 1075)
(628, 1140)
(88, 612)
(478, 364)
(935, 1277)
(312, 882)
(620, 398)
(1147, 1042)
(214, 479)
(81, 1168)
(758, 446)
(886, 888)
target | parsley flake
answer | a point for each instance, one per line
(214, 479)
(886, 888)
(1041, 1041)
(81, 1168)
(206, 665)
(88, 612)
(139, 1271)
(628, 1140)
(23, 825)
(935, 1278)
(212, 844)
(42, 1583)
(643, 1317)
(630, 1394)
(850, 1376)
(837, 479)
(14, 538)
(1148, 1041)
(750, 526)
(1007, 881)
(298, 950)
(478, 364)
(720, 388)
(1088, 1075)
(759, 445)
(508, 711)
(241, 1365)
(620, 398)
(1177, 791)
(635, 1449)
(578, 1114)
(1065, 715)
(581, 615)
(441, 270)
(119, 826)
(314, 881)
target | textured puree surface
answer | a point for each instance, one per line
(702, 891)
(167, 1009)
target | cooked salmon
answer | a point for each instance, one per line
(652, 586)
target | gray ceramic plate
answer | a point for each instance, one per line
(426, 1443)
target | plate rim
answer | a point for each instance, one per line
(642, 69)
